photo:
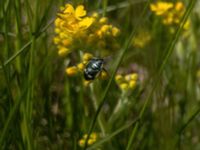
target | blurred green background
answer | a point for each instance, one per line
(41, 107)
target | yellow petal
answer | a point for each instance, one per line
(115, 31)
(63, 51)
(87, 56)
(103, 20)
(118, 78)
(81, 66)
(103, 75)
(71, 71)
(81, 142)
(66, 42)
(56, 40)
(134, 76)
(124, 86)
(132, 84)
(80, 12)
(86, 22)
(69, 9)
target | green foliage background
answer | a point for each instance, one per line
(42, 108)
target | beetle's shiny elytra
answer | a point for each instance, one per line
(93, 67)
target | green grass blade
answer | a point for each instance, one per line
(109, 137)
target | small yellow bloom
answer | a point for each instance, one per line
(179, 6)
(81, 66)
(124, 86)
(134, 76)
(57, 30)
(86, 82)
(127, 82)
(87, 56)
(141, 39)
(80, 12)
(56, 40)
(132, 84)
(118, 78)
(93, 135)
(95, 15)
(66, 42)
(92, 139)
(63, 51)
(81, 142)
(103, 75)
(71, 71)
(115, 31)
(105, 28)
(103, 20)
(161, 7)
(57, 22)
(127, 77)
(85, 23)
(186, 26)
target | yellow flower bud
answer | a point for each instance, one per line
(118, 78)
(57, 30)
(63, 35)
(103, 75)
(103, 20)
(93, 135)
(95, 15)
(132, 84)
(124, 86)
(105, 28)
(86, 83)
(81, 142)
(87, 56)
(179, 6)
(63, 51)
(91, 141)
(115, 31)
(186, 26)
(71, 71)
(66, 42)
(134, 76)
(127, 77)
(81, 66)
(56, 40)
(57, 22)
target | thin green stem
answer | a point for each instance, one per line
(101, 122)
(19, 52)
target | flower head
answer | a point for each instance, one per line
(92, 139)
(170, 13)
(75, 29)
(161, 7)
(126, 82)
(70, 25)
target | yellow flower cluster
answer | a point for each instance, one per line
(142, 39)
(79, 68)
(70, 24)
(92, 139)
(171, 13)
(126, 82)
(75, 30)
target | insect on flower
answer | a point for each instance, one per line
(93, 68)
